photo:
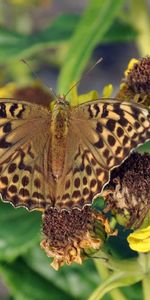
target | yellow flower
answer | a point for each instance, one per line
(139, 240)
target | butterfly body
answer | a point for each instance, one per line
(63, 157)
(59, 127)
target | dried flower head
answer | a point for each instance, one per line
(128, 193)
(33, 93)
(136, 83)
(138, 79)
(68, 235)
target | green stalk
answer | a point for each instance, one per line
(146, 287)
(104, 274)
(116, 280)
(124, 273)
(144, 261)
(140, 19)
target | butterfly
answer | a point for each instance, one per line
(62, 157)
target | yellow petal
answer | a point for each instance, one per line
(74, 96)
(92, 95)
(131, 64)
(8, 90)
(107, 91)
(80, 99)
(139, 240)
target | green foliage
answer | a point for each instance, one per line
(20, 236)
(95, 22)
(25, 284)
(14, 45)
(78, 281)
(19, 231)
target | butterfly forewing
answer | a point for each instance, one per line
(107, 131)
(24, 140)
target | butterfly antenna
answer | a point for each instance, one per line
(85, 75)
(36, 76)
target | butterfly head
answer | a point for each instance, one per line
(61, 100)
(61, 104)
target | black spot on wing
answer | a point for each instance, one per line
(99, 127)
(3, 110)
(7, 127)
(105, 111)
(90, 111)
(99, 144)
(96, 107)
(19, 115)
(13, 108)
(4, 144)
(110, 125)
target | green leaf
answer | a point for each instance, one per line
(94, 24)
(25, 284)
(78, 281)
(133, 292)
(8, 37)
(144, 148)
(15, 45)
(119, 32)
(19, 231)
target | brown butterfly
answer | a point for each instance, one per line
(63, 157)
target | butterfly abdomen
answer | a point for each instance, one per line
(59, 131)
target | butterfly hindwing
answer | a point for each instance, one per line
(82, 182)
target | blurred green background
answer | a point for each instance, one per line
(60, 40)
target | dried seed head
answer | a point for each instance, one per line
(135, 85)
(138, 79)
(68, 235)
(128, 193)
(34, 93)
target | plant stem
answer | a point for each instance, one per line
(104, 274)
(146, 287)
(144, 260)
(102, 270)
(140, 10)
